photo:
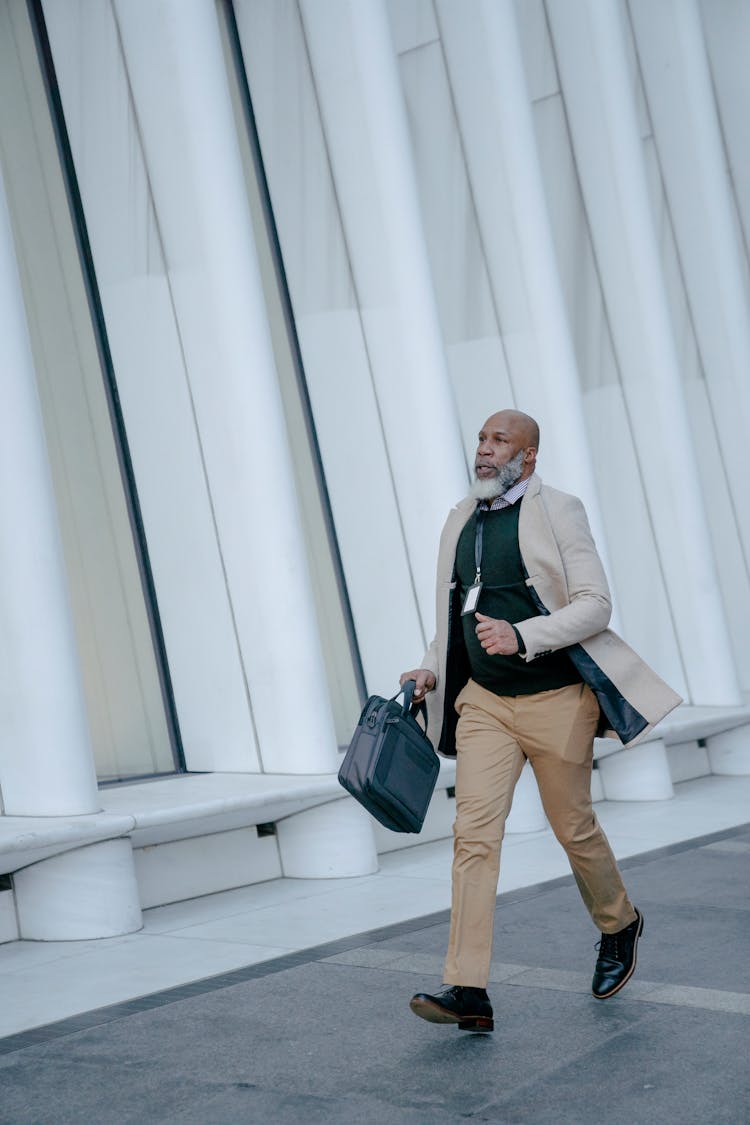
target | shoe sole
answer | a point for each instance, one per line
(631, 970)
(433, 1013)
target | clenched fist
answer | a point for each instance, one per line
(496, 637)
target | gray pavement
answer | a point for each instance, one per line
(326, 1035)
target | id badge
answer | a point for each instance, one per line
(471, 599)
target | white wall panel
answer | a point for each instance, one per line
(334, 349)
(370, 535)
(295, 157)
(204, 662)
(702, 266)
(124, 701)
(479, 371)
(638, 577)
(692, 199)
(468, 318)
(147, 350)
(342, 660)
(489, 89)
(366, 130)
(538, 56)
(576, 261)
(454, 243)
(176, 68)
(640, 597)
(726, 25)
(46, 763)
(731, 562)
(597, 86)
(718, 427)
(413, 23)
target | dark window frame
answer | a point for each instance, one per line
(226, 8)
(99, 328)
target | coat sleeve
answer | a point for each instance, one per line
(589, 604)
(430, 658)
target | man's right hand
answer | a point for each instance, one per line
(425, 682)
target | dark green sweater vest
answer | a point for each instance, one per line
(504, 595)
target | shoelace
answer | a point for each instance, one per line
(609, 946)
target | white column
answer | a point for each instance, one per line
(328, 841)
(729, 752)
(590, 45)
(46, 760)
(726, 26)
(686, 126)
(527, 812)
(638, 774)
(46, 763)
(205, 665)
(364, 118)
(177, 73)
(492, 102)
(87, 893)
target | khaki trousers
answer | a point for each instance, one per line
(554, 730)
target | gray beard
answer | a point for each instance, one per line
(505, 477)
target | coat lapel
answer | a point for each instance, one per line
(457, 519)
(539, 549)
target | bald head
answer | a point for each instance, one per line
(506, 452)
(523, 426)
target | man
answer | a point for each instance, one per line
(523, 667)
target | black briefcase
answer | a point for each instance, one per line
(390, 766)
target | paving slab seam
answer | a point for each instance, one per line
(560, 980)
(71, 1025)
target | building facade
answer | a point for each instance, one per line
(265, 268)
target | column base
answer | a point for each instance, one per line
(638, 774)
(87, 893)
(688, 760)
(729, 752)
(331, 841)
(526, 814)
(8, 920)
(597, 789)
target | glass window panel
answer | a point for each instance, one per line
(329, 285)
(130, 730)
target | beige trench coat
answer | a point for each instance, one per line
(566, 580)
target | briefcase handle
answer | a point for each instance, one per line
(415, 708)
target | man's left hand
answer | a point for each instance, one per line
(496, 637)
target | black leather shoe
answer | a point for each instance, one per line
(470, 1008)
(616, 962)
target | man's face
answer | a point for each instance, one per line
(501, 440)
